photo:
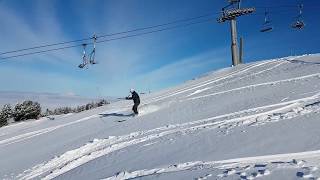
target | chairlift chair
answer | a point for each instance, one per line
(84, 57)
(267, 25)
(91, 60)
(299, 23)
(93, 53)
(92, 57)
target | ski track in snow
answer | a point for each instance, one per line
(258, 85)
(244, 168)
(207, 82)
(32, 134)
(242, 77)
(199, 91)
(101, 147)
(29, 135)
(224, 77)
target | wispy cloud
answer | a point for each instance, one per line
(21, 79)
(182, 70)
(18, 32)
(143, 62)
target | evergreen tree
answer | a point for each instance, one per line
(5, 114)
(3, 120)
(27, 110)
(7, 110)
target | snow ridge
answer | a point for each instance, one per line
(232, 166)
(102, 147)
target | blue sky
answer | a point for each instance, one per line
(149, 62)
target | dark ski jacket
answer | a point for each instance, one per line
(135, 97)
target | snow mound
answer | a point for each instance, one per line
(147, 109)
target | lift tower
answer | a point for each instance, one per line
(231, 14)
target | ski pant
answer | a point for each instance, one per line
(135, 108)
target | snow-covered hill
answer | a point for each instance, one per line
(258, 120)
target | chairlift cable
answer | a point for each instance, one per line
(107, 40)
(112, 34)
(133, 30)
(158, 30)
(119, 33)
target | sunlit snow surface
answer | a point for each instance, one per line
(258, 120)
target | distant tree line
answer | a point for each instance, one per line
(32, 110)
(66, 110)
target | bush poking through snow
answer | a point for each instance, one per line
(27, 110)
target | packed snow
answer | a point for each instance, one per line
(256, 120)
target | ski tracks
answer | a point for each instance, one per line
(305, 163)
(101, 147)
(242, 77)
(210, 81)
(29, 135)
(32, 134)
(316, 75)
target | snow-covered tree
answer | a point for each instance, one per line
(3, 120)
(7, 110)
(80, 108)
(27, 110)
(5, 114)
(89, 106)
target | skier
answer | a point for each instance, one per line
(136, 100)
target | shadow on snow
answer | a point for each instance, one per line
(303, 62)
(116, 115)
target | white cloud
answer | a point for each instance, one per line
(21, 79)
(122, 64)
(183, 69)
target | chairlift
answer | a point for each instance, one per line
(299, 23)
(267, 25)
(91, 60)
(84, 57)
(93, 53)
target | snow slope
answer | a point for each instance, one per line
(258, 120)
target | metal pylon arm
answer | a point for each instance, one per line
(234, 13)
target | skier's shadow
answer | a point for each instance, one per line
(303, 62)
(116, 115)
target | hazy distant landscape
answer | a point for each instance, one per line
(46, 100)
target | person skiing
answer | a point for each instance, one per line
(136, 100)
